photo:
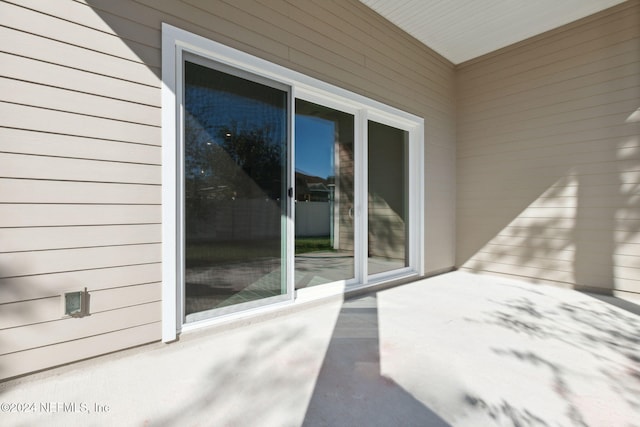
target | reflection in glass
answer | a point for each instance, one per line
(324, 195)
(235, 136)
(388, 184)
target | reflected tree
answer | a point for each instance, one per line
(228, 162)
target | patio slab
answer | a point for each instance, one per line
(456, 349)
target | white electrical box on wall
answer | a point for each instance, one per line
(74, 303)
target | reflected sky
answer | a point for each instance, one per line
(314, 146)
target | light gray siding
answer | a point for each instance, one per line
(79, 185)
(80, 194)
(548, 159)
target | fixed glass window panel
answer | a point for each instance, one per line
(388, 170)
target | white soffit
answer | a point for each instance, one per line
(461, 30)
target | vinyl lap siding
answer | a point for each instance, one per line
(548, 161)
(80, 196)
(79, 185)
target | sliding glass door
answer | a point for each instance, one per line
(324, 195)
(276, 185)
(243, 192)
(236, 129)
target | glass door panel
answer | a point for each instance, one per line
(324, 196)
(387, 198)
(235, 168)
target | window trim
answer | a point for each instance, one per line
(175, 43)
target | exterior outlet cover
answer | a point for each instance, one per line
(73, 303)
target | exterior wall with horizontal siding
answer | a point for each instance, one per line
(548, 170)
(80, 148)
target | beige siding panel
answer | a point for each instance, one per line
(563, 258)
(565, 266)
(48, 50)
(300, 38)
(561, 87)
(557, 213)
(111, 299)
(622, 53)
(527, 245)
(39, 191)
(29, 312)
(559, 131)
(48, 215)
(37, 95)
(588, 163)
(339, 27)
(49, 309)
(353, 79)
(350, 74)
(59, 168)
(19, 363)
(554, 44)
(265, 20)
(610, 78)
(436, 102)
(622, 135)
(616, 111)
(566, 68)
(438, 219)
(21, 141)
(386, 38)
(564, 121)
(55, 261)
(522, 224)
(83, 14)
(628, 296)
(43, 120)
(625, 147)
(68, 329)
(602, 201)
(537, 273)
(218, 25)
(131, 11)
(520, 150)
(629, 275)
(44, 238)
(51, 285)
(630, 286)
(605, 92)
(542, 274)
(34, 22)
(45, 73)
(549, 164)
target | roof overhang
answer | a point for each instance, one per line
(461, 30)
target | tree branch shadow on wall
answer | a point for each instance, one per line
(593, 249)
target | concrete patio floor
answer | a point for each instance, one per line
(456, 349)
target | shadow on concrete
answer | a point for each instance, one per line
(617, 302)
(237, 389)
(607, 340)
(350, 389)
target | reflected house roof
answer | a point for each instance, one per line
(312, 188)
